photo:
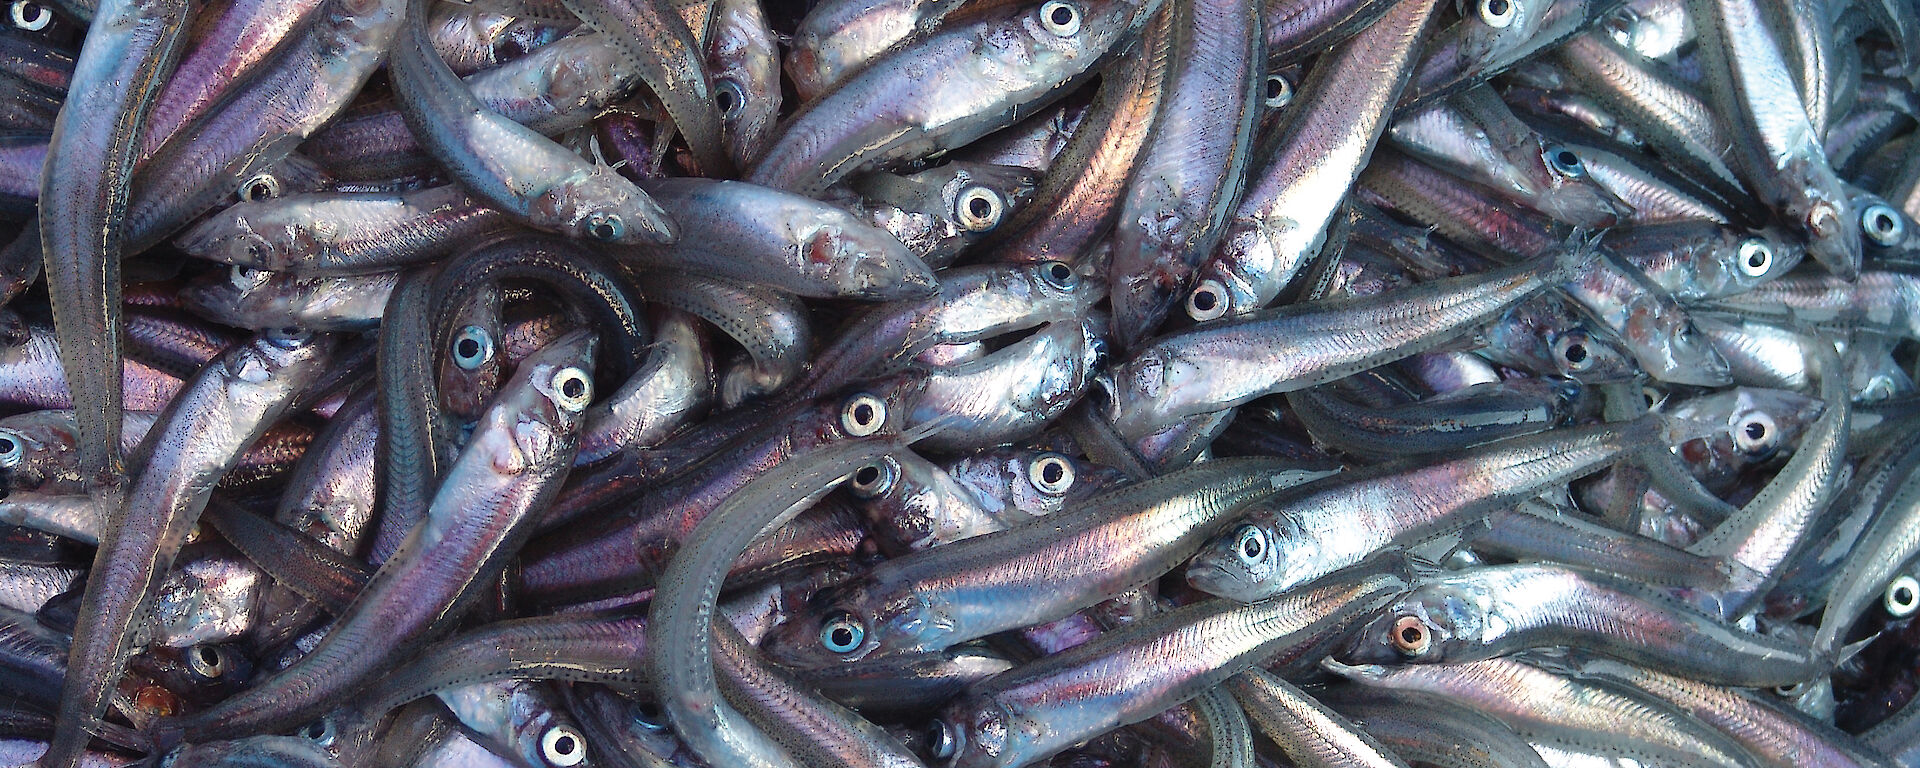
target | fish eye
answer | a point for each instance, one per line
(207, 661)
(979, 209)
(1051, 474)
(647, 715)
(1497, 13)
(862, 415)
(842, 633)
(563, 747)
(1756, 257)
(263, 186)
(1410, 636)
(1250, 543)
(320, 731)
(1060, 18)
(1279, 92)
(1755, 434)
(1882, 224)
(1564, 161)
(472, 348)
(12, 449)
(1573, 353)
(31, 16)
(572, 389)
(1903, 597)
(1208, 301)
(605, 227)
(728, 96)
(874, 480)
(1059, 275)
(944, 743)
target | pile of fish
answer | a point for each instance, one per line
(959, 383)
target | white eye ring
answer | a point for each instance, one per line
(572, 389)
(1756, 433)
(1279, 92)
(979, 209)
(1882, 224)
(1051, 474)
(1498, 14)
(472, 348)
(563, 747)
(1060, 18)
(874, 480)
(1756, 257)
(263, 186)
(31, 16)
(1250, 544)
(13, 448)
(206, 661)
(1208, 301)
(863, 415)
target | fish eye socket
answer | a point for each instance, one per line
(206, 661)
(572, 389)
(319, 731)
(842, 634)
(1574, 353)
(1755, 434)
(1060, 18)
(944, 743)
(647, 715)
(874, 479)
(605, 227)
(1882, 224)
(1250, 544)
(263, 186)
(1279, 92)
(563, 747)
(1756, 257)
(863, 415)
(472, 347)
(12, 448)
(1903, 597)
(1410, 636)
(1050, 473)
(729, 98)
(31, 16)
(1497, 13)
(979, 209)
(288, 337)
(1059, 275)
(1208, 301)
(1565, 162)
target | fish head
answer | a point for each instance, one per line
(855, 622)
(603, 206)
(1438, 623)
(1251, 561)
(868, 263)
(233, 237)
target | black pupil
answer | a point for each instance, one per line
(1060, 272)
(603, 231)
(649, 711)
(469, 348)
(563, 745)
(1567, 159)
(1251, 546)
(1410, 635)
(842, 637)
(1757, 259)
(1756, 430)
(209, 658)
(316, 730)
(1275, 87)
(1052, 473)
(1883, 223)
(1497, 7)
(726, 99)
(1203, 301)
(1062, 16)
(979, 207)
(260, 189)
(573, 387)
(1903, 595)
(867, 475)
(6, 445)
(862, 413)
(1577, 353)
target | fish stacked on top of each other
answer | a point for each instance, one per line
(959, 383)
